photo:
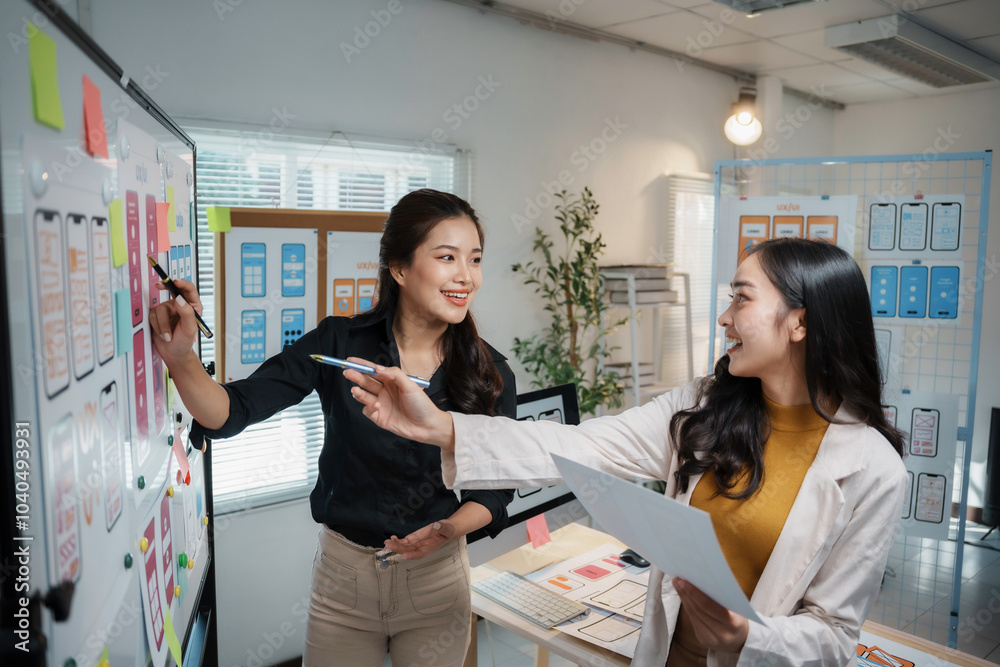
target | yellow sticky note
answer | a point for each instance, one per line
(171, 216)
(218, 219)
(168, 631)
(44, 78)
(119, 255)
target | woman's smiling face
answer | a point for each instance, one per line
(441, 281)
(760, 328)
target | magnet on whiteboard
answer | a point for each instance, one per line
(39, 178)
(190, 178)
(160, 154)
(108, 192)
(170, 170)
(124, 147)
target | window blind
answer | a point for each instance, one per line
(689, 239)
(276, 460)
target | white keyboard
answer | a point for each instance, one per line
(533, 602)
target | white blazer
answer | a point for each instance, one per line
(825, 570)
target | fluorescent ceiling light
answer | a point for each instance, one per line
(757, 6)
(901, 46)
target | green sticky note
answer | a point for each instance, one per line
(44, 78)
(119, 255)
(168, 630)
(218, 219)
(192, 223)
(123, 321)
(171, 216)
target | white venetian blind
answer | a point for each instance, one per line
(690, 234)
(276, 459)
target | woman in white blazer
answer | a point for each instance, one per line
(801, 334)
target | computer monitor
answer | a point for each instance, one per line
(558, 502)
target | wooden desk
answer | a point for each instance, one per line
(575, 539)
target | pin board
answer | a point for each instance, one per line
(280, 271)
(95, 179)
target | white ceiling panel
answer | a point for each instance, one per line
(911, 86)
(968, 19)
(823, 77)
(868, 69)
(678, 31)
(798, 18)
(594, 13)
(911, 5)
(811, 44)
(756, 56)
(989, 44)
(685, 4)
(868, 92)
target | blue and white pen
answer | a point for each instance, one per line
(361, 368)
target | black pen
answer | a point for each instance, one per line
(172, 288)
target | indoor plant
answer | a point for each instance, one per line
(573, 346)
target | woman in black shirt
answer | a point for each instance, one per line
(374, 486)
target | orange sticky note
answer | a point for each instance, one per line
(162, 227)
(538, 530)
(93, 119)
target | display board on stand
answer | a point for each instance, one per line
(916, 225)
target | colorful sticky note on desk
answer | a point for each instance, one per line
(218, 219)
(119, 254)
(171, 213)
(93, 119)
(45, 100)
(538, 530)
(162, 227)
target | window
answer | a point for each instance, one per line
(276, 460)
(689, 239)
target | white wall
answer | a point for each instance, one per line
(911, 127)
(555, 94)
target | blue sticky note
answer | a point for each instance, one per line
(123, 321)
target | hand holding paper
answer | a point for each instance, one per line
(676, 538)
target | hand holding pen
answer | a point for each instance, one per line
(173, 324)
(172, 288)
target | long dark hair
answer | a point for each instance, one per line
(471, 379)
(729, 426)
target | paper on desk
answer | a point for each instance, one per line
(676, 538)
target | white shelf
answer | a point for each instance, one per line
(638, 391)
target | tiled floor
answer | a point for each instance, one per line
(916, 598)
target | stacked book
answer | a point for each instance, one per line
(652, 284)
(647, 373)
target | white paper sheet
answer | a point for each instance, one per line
(676, 538)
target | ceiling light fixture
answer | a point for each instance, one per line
(743, 127)
(898, 44)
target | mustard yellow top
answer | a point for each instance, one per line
(748, 529)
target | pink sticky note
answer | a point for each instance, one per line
(538, 530)
(93, 120)
(183, 469)
(162, 226)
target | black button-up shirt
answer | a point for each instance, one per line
(372, 484)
